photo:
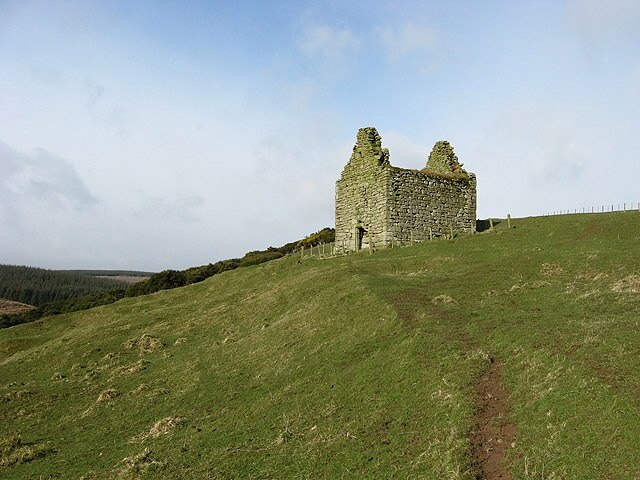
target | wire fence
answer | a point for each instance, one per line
(323, 250)
(608, 208)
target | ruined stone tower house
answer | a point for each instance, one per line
(383, 205)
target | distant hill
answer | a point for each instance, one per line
(9, 307)
(125, 276)
(38, 286)
(109, 273)
(519, 344)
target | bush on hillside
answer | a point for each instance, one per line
(255, 258)
(326, 235)
(160, 281)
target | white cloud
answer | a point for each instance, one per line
(183, 208)
(48, 75)
(328, 42)
(599, 25)
(45, 208)
(410, 39)
(334, 48)
(109, 116)
(635, 85)
(41, 177)
(596, 18)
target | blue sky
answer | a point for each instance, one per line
(152, 135)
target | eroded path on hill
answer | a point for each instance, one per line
(491, 434)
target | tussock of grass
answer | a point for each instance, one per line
(529, 285)
(107, 395)
(131, 369)
(591, 276)
(18, 395)
(161, 427)
(479, 354)
(136, 465)
(442, 299)
(144, 344)
(551, 270)
(108, 357)
(140, 389)
(629, 284)
(13, 450)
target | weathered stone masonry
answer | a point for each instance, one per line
(379, 203)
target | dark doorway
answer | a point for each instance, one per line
(361, 232)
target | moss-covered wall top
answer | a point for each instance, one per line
(443, 160)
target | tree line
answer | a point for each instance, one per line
(166, 279)
(38, 286)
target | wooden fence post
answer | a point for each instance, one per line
(431, 232)
(508, 220)
(490, 223)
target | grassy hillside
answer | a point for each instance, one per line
(436, 361)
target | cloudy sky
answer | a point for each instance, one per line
(166, 134)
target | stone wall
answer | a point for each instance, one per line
(382, 204)
(423, 205)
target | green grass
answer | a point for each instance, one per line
(347, 367)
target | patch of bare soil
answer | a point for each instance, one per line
(493, 435)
